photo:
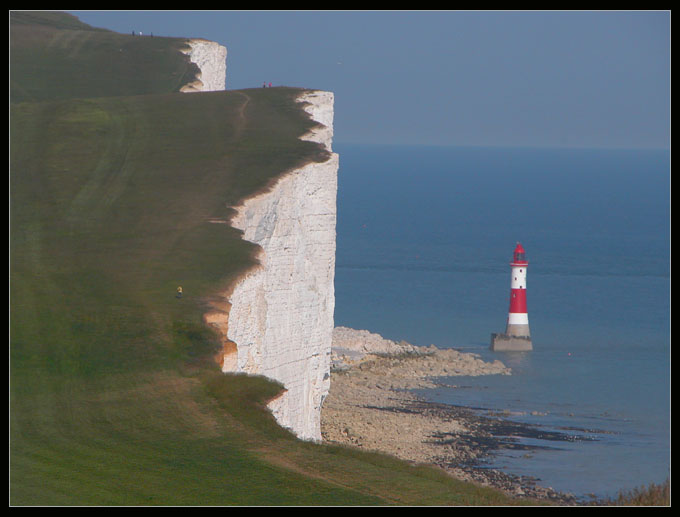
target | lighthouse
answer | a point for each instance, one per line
(517, 336)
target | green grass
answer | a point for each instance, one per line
(114, 395)
(650, 495)
(55, 56)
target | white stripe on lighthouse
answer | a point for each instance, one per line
(518, 279)
(518, 318)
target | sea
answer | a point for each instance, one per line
(424, 240)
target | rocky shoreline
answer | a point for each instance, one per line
(371, 405)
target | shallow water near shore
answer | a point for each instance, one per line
(424, 240)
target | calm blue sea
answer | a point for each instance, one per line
(425, 236)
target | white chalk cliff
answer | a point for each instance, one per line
(281, 315)
(211, 59)
(278, 318)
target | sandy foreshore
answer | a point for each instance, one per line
(371, 405)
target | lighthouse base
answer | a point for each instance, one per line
(510, 343)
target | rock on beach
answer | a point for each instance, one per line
(409, 365)
(371, 405)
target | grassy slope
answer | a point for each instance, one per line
(114, 396)
(54, 56)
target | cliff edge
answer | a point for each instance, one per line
(211, 59)
(280, 319)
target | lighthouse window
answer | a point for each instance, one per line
(520, 270)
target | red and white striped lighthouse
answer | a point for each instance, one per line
(517, 336)
(518, 319)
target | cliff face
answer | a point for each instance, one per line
(211, 59)
(278, 321)
(281, 315)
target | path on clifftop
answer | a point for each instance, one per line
(241, 119)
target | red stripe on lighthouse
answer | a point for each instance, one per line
(518, 300)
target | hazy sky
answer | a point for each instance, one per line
(503, 78)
